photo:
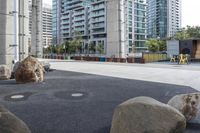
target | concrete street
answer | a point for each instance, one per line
(187, 75)
(53, 106)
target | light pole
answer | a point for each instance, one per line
(158, 38)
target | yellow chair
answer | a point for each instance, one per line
(183, 59)
(172, 59)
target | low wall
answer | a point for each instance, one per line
(154, 57)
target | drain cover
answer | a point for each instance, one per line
(70, 95)
(18, 97)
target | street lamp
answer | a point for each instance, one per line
(158, 38)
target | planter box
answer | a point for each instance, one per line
(130, 60)
(62, 57)
(102, 59)
(97, 59)
(77, 58)
(109, 59)
(116, 59)
(142, 61)
(122, 60)
(139, 60)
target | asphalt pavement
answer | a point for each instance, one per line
(70, 102)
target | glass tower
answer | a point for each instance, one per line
(164, 18)
(140, 25)
(157, 18)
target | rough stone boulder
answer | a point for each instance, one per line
(188, 105)
(5, 72)
(9, 123)
(29, 70)
(146, 115)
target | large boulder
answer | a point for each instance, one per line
(5, 72)
(9, 123)
(146, 115)
(29, 70)
(188, 105)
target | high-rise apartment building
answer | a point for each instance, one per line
(47, 25)
(107, 22)
(163, 17)
(140, 25)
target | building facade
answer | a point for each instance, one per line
(163, 17)
(47, 25)
(105, 22)
(56, 14)
(140, 25)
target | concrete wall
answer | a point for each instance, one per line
(113, 28)
(172, 48)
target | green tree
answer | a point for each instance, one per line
(92, 47)
(162, 45)
(153, 45)
(66, 46)
(100, 48)
(193, 31)
(77, 41)
(187, 33)
(59, 49)
(182, 35)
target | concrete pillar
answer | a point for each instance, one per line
(36, 36)
(23, 28)
(14, 31)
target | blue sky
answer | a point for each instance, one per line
(190, 12)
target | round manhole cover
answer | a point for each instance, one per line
(71, 95)
(77, 94)
(176, 66)
(18, 97)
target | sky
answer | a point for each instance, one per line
(190, 12)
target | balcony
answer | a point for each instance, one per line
(65, 27)
(97, 20)
(98, 14)
(95, 8)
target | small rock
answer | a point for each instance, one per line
(5, 72)
(14, 69)
(9, 123)
(188, 105)
(29, 70)
(46, 66)
(146, 115)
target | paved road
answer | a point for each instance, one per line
(186, 75)
(50, 108)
